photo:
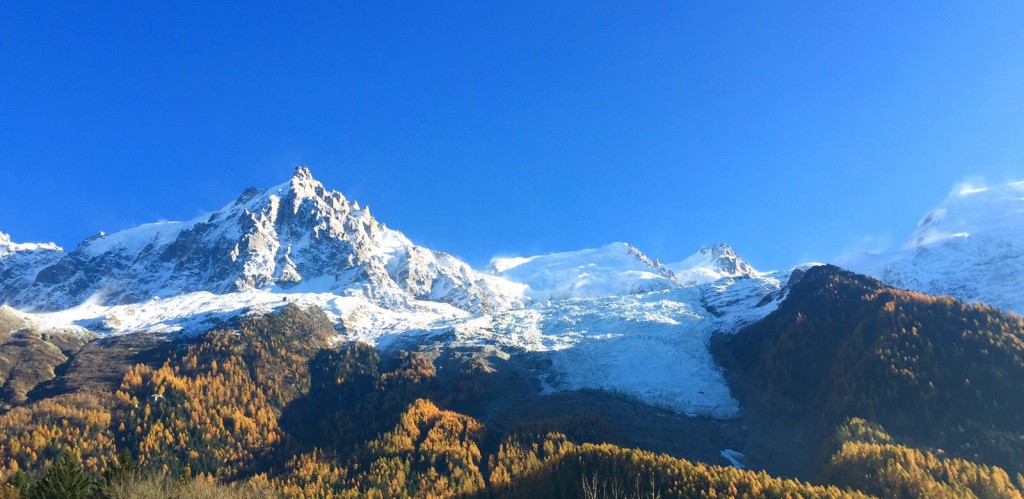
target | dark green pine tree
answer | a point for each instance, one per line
(19, 480)
(65, 479)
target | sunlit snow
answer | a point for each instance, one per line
(970, 247)
(607, 318)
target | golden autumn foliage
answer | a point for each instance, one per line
(869, 460)
(216, 407)
(218, 421)
(314, 475)
(429, 453)
(156, 486)
(35, 435)
(275, 349)
(551, 466)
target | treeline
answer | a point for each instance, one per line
(272, 408)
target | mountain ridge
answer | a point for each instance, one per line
(297, 233)
(587, 317)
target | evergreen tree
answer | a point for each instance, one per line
(65, 479)
(19, 482)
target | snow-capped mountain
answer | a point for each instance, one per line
(970, 247)
(617, 269)
(296, 236)
(710, 264)
(609, 318)
(20, 262)
(593, 316)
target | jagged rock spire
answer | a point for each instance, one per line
(303, 185)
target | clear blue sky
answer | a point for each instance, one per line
(791, 130)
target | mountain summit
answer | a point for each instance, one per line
(711, 263)
(971, 246)
(978, 212)
(297, 235)
(588, 318)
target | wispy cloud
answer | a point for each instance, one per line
(969, 185)
(865, 245)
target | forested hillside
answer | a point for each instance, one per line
(938, 374)
(896, 394)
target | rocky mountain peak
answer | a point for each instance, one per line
(303, 185)
(297, 236)
(729, 262)
(722, 250)
(710, 263)
(302, 173)
(21, 262)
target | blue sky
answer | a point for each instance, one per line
(792, 130)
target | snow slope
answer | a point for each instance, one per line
(608, 318)
(358, 318)
(970, 247)
(652, 345)
(615, 269)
